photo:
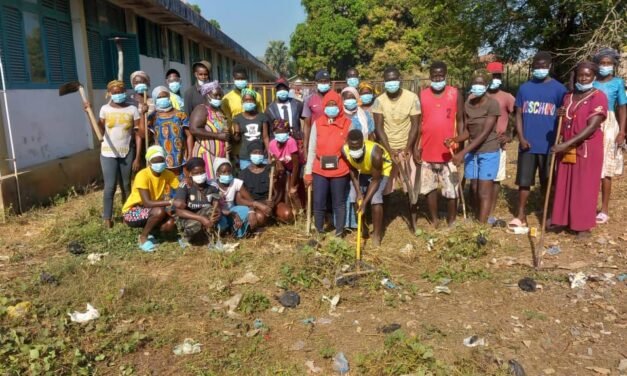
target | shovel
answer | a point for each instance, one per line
(460, 192)
(350, 277)
(72, 87)
(118, 46)
(308, 226)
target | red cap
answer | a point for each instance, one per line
(495, 67)
(281, 81)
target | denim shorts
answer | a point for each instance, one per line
(482, 166)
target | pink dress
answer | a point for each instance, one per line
(577, 185)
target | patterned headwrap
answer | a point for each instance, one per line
(606, 52)
(280, 125)
(209, 87)
(366, 85)
(115, 83)
(158, 90)
(140, 74)
(247, 91)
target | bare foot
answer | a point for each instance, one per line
(376, 241)
(107, 223)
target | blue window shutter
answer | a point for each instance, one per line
(53, 49)
(96, 59)
(13, 48)
(68, 54)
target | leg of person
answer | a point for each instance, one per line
(485, 199)
(429, 188)
(448, 178)
(471, 172)
(413, 209)
(606, 191)
(377, 212)
(352, 205)
(500, 176)
(156, 217)
(612, 164)
(488, 168)
(126, 171)
(320, 195)
(338, 188)
(109, 175)
(242, 212)
(525, 179)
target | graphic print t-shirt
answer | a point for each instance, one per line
(539, 101)
(251, 130)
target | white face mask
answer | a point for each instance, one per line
(356, 154)
(199, 179)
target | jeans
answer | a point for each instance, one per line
(337, 188)
(111, 168)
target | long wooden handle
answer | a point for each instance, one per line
(146, 121)
(90, 115)
(271, 190)
(460, 191)
(359, 218)
(308, 210)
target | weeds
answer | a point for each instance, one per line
(253, 302)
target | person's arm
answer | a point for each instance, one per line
(311, 152)
(265, 136)
(376, 177)
(295, 169)
(237, 131)
(380, 131)
(413, 141)
(621, 113)
(242, 197)
(182, 212)
(459, 117)
(197, 121)
(524, 144)
(592, 125)
(147, 202)
(353, 173)
(187, 99)
(189, 140)
(139, 143)
(488, 126)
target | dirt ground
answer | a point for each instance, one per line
(149, 303)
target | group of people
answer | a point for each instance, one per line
(351, 148)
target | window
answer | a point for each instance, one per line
(176, 47)
(149, 35)
(207, 54)
(37, 42)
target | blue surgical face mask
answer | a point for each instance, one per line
(438, 85)
(350, 104)
(248, 106)
(174, 86)
(163, 103)
(495, 84)
(583, 87)
(256, 159)
(118, 98)
(225, 179)
(240, 84)
(606, 70)
(367, 98)
(323, 88)
(352, 82)
(332, 111)
(215, 102)
(140, 88)
(282, 137)
(282, 95)
(392, 86)
(158, 167)
(478, 90)
(540, 74)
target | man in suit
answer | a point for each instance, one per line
(286, 108)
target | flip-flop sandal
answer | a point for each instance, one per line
(515, 223)
(148, 246)
(518, 230)
(602, 218)
(153, 239)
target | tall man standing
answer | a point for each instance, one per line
(286, 108)
(192, 96)
(397, 125)
(313, 108)
(537, 102)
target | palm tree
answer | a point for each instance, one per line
(277, 57)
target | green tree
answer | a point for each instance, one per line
(277, 57)
(196, 8)
(215, 23)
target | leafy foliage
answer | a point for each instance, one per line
(277, 57)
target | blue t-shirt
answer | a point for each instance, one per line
(538, 101)
(614, 89)
(356, 124)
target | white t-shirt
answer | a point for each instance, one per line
(227, 196)
(119, 124)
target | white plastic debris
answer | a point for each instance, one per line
(577, 280)
(95, 258)
(332, 301)
(311, 368)
(474, 341)
(441, 290)
(248, 278)
(189, 346)
(81, 317)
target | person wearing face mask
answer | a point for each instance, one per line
(397, 115)
(192, 96)
(210, 128)
(506, 106)
(141, 84)
(482, 153)
(118, 120)
(197, 204)
(361, 119)
(370, 167)
(352, 78)
(313, 108)
(286, 109)
(286, 154)
(442, 111)
(173, 81)
(614, 125)
(326, 170)
(579, 153)
(536, 104)
(256, 178)
(249, 126)
(149, 206)
(366, 96)
(170, 130)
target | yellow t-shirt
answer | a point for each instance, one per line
(232, 106)
(365, 165)
(158, 187)
(396, 113)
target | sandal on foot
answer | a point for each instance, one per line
(147, 246)
(516, 223)
(602, 218)
(518, 230)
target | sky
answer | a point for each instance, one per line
(253, 23)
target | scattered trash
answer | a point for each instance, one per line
(248, 278)
(189, 346)
(622, 366)
(499, 223)
(309, 321)
(183, 243)
(220, 247)
(19, 310)
(605, 277)
(258, 324)
(252, 333)
(326, 283)
(47, 278)
(527, 284)
(622, 277)
(553, 250)
(94, 258)
(474, 341)
(5, 258)
(407, 250)
(430, 244)
(445, 281)
(231, 304)
(577, 280)
(277, 309)
(289, 299)
(340, 363)
(548, 371)
(385, 282)
(311, 368)
(332, 301)
(298, 345)
(76, 248)
(387, 329)
(601, 240)
(82, 317)
(515, 369)
(481, 240)
(442, 290)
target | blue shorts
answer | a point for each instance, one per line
(226, 222)
(482, 166)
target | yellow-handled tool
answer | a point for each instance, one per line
(358, 249)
